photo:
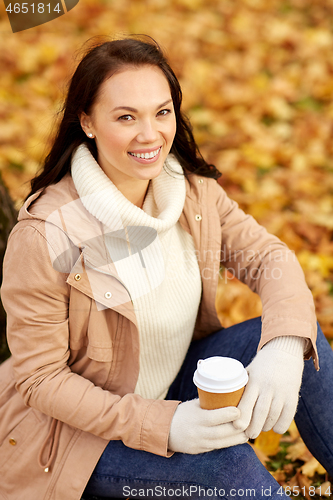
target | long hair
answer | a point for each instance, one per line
(100, 62)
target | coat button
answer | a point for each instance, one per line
(77, 277)
(200, 181)
(108, 295)
(12, 441)
(198, 217)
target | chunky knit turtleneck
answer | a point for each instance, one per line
(161, 274)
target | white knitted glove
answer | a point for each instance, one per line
(271, 395)
(194, 430)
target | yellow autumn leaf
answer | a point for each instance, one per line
(293, 431)
(279, 108)
(318, 262)
(259, 156)
(311, 467)
(298, 451)
(268, 442)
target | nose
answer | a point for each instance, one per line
(148, 132)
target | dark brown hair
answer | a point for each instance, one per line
(101, 61)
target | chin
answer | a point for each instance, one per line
(151, 173)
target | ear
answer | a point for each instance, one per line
(86, 123)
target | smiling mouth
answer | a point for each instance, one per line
(146, 156)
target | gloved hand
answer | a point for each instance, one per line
(194, 430)
(271, 395)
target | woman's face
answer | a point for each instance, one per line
(134, 124)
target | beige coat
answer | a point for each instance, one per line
(68, 387)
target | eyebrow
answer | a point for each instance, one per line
(134, 110)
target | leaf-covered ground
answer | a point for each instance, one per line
(257, 77)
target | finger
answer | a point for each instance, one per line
(285, 419)
(226, 431)
(224, 442)
(273, 415)
(222, 415)
(246, 406)
(259, 416)
(234, 440)
(224, 435)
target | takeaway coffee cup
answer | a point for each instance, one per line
(220, 381)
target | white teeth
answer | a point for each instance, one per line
(146, 156)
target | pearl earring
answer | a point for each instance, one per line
(90, 135)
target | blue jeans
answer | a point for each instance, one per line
(233, 472)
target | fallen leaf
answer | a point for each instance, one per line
(279, 476)
(293, 482)
(298, 451)
(304, 483)
(268, 442)
(293, 431)
(325, 490)
(311, 467)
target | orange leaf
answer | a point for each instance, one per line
(268, 442)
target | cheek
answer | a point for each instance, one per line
(114, 138)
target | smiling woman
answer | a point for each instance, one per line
(109, 286)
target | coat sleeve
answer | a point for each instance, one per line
(271, 269)
(36, 299)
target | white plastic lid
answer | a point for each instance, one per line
(220, 374)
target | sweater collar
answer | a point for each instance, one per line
(162, 207)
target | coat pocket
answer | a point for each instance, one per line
(91, 328)
(21, 445)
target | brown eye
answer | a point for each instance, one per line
(125, 118)
(164, 112)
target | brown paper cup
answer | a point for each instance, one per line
(214, 400)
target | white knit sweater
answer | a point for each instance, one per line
(161, 271)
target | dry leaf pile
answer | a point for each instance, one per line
(292, 465)
(257, 78)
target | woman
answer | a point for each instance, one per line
(109, 286)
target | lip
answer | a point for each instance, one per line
(143, 151)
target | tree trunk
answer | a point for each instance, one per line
(8, 217)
